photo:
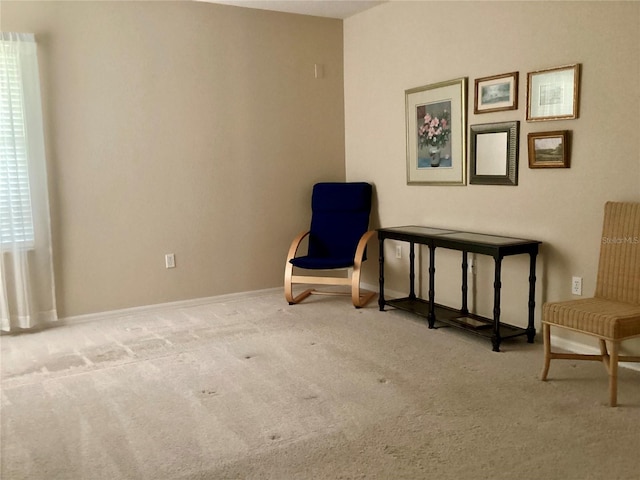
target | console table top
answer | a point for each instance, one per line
(455, 236)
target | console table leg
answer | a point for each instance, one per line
(412, 271)
(465, 287)
(431, 318)
(531, 330)
(497, 285)
(381, 301)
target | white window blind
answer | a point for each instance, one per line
(16, 222)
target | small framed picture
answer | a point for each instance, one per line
(549, 149)
(553, 94)
(497, 93)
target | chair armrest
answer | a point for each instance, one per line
(295, 244)
(362, 245)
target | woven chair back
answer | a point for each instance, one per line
(619, 265)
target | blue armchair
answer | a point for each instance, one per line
(337, 240)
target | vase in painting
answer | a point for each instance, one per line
(434, 156)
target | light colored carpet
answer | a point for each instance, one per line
(248, 387)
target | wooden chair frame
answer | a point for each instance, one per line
(358, 297)
(609, 357)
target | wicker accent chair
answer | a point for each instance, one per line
(337, 240)
(613, 314)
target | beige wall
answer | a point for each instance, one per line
(181, 127)
(401, 45)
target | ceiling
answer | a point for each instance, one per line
(319, 8)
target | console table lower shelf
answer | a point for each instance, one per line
(469, 322)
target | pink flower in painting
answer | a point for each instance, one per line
(434, 131)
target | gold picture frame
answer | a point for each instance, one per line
(496, 93)
(553, 93)
(549, 149)
(436, 122)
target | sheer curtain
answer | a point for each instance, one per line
(27, 293)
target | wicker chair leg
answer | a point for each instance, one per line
(613, 374)
(546, 335)
(604, 354)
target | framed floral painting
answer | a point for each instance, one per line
(436, 126)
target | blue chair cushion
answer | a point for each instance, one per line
(340, 216)
(316, 263)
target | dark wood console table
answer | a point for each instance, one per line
(495, 246)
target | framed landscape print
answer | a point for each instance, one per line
(553, 94)
(549, 149)
(497, 93)
(436, 126)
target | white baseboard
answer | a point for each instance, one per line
(387, 293)
(194, 302)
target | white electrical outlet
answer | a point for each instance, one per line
(170, 260)
(471, 266)
(398, 251)
(576, 285)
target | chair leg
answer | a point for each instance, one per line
(288, 287)
(364, 299)
(288, 272)
(546, 335)
(613, 374)
(604, 354)
(293, 300)
(360, 300)
(609, 358)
